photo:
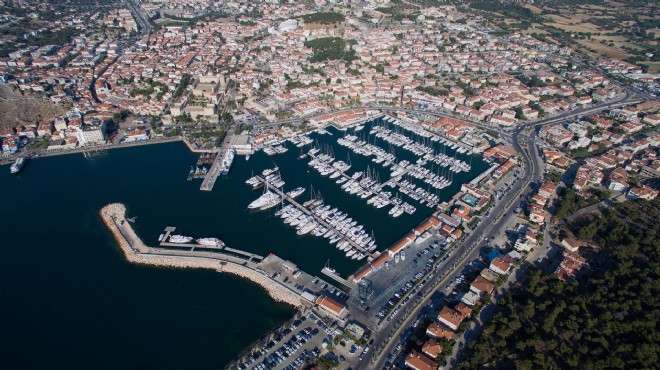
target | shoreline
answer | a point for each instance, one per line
(11, 159)
(135, 251)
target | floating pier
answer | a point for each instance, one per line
(168, 230)
(250, 256)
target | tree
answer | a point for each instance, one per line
(603, 319)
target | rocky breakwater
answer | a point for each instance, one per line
(135, 251)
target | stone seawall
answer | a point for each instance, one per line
(135, 251)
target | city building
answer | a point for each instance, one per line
(418, 361)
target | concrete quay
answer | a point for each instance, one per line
(214, 172)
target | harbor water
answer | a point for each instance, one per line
(66, 291)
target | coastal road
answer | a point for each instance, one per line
(38, 153)
(628, 98)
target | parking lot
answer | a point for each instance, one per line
(291, 348)
(390, 285)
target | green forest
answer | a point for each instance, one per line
(329, 48)
(605, 319)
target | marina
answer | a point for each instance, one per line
(223, 210)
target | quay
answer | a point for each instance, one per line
(281, 279)
(321, 221)
(214, 172)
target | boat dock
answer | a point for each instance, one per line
(189, 245)
(320, 221)
(168, 230)
(334, 276)
(214, 172)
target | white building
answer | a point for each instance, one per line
(90, 137)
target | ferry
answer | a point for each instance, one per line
(179, 239)
(214, 242)
(18, 165)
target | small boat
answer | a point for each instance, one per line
(213, 242)
(180, 239)
(160, 238)
(295, 192)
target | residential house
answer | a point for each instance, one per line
(500, 266)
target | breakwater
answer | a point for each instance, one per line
(135, 251)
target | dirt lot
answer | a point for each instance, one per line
(654, 67)
(16, 109)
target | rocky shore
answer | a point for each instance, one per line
(135, 251)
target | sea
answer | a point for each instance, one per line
(69, 299)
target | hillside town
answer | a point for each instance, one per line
(267, 62)
(560, 136)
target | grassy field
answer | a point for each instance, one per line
(654, 67)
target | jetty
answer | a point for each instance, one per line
(214, 172)
(281, 279)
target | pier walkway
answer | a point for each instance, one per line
(321, 221)
(214, 172)
(333, 275)
(282, 279)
